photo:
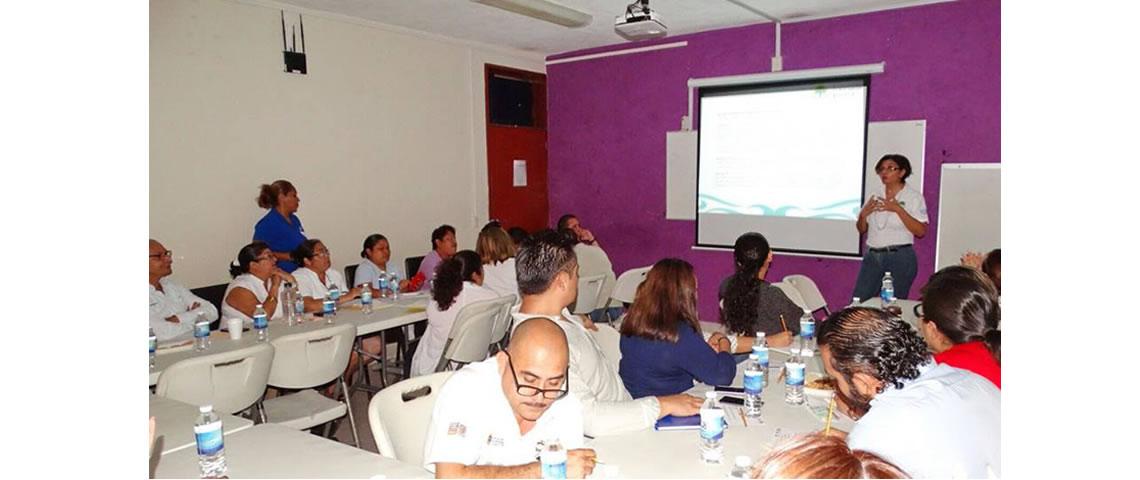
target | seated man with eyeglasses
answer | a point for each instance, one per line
(173, 308)
(492, 417)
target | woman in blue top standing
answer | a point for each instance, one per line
(662, 349)
(280, 228)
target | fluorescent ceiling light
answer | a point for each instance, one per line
(543, 10)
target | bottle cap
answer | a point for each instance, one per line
(760, 335)
(206, 408)
(743, 461)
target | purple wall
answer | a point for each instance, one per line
(608, 119)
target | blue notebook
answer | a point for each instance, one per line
(669, 422)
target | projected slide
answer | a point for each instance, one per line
(791, 155)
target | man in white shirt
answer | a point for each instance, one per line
(492, 417)
(548, 281)
(173, 309)
(933, 421)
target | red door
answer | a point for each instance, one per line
(508, 142)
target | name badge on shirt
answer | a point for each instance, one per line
(494, 441)
(457, 429)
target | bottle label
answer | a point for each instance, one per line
(795, 374)
(383, 282)
(807, 329)
(209, 438)
(259, 321)
(202, 329)
(328, 306)
(366, 295)
(761, 352)
(334, 293)
(712, 424)
(554, 470)
(753, 382)
(299, 306)
(153, 344)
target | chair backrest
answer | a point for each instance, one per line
(625, 290)
(808, 291)
(400, 425)
(502, 322)
(350, 275)
(610, 340)
(589, 289)
(412, 265)
(214, 294)
(230, 381)
(792, 293)
(312, 358)
(470, 337)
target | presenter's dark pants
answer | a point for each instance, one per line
(899, 260)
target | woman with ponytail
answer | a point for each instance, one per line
(749, 304)
(960, 315)
(458, 282)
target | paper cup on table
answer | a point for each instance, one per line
(234, 325)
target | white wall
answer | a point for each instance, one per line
(385, 134)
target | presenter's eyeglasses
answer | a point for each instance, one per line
(529, 391)
(888, 168)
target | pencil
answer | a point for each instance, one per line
(783, 323)
(830, 411)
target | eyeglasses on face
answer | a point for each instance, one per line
(889, 168)
(265, 258)
(166, 254)
(918, 311)
(530, 391)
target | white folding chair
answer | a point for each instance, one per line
(471, 335)
(625, 290)
(306, 360)
(809, 292)
(792, 293)
(230, 381)
(400, 414)
(502, 325)
(610, 340)
(589, 289)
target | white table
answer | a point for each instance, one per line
(386, 314)
(174, 423)
(675, 454)
(907, 310)
(274, 451)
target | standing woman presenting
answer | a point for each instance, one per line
(280, 228)
(891, 219)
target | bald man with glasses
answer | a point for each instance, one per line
(492, 417)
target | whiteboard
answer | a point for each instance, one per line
(906, 137)
(681, 175)
(969, 211)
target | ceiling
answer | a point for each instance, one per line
(466, 20)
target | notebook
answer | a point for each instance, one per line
(669, 422)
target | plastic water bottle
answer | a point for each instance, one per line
(328, 308)
(201, 333)
(287, 302)
(887, 292)
(553, 458)
(807, 333)
(794, 383)
(394, 285)
(760, 349)
(712, 430)
(334, 291)
(366, 298)
(753, 386)
(261, 323)
(298, 306)
(382, 284)
(211, 448)
(153, 347)
(742, 468)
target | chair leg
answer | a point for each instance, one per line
(351, 417)
(261, 411)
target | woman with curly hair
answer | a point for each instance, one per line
(458, 282)
(932, 420)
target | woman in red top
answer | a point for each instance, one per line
(960, 315)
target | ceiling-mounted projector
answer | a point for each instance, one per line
(639, 22)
